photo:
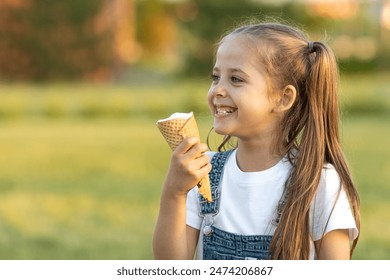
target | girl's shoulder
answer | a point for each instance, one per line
(330, 180)
(330, 190)
(331, 209)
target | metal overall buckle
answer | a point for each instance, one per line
(209, 217)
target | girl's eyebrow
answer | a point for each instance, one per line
(233, 70)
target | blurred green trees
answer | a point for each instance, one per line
(102, 39)
(353, 28)
(44, 40)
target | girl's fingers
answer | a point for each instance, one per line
(205, 170)
(191, 148)
(201, 162)
(189, 163)
(186, 145)
(199, 167)
(197, 150)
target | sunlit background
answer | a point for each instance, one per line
(82, 84)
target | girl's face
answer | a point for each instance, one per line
(238, 96)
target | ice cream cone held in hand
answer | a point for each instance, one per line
(174, 129)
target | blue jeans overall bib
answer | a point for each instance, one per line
(219, 244)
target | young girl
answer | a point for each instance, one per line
(285, 191)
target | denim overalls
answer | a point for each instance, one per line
(219, 244)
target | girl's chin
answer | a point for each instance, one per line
(221, 130)
(225, 126)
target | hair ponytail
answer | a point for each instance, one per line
(324, 81)
(319, 143)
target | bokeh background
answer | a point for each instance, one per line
(82, 84)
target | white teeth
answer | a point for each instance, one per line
(223, 111)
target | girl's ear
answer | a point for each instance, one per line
(286, 99)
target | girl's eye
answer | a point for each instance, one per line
(236, 79)
(214, 78)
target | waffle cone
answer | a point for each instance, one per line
(175, 129)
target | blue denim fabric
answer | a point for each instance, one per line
(219, 244)
(222, 245)
(218, 162)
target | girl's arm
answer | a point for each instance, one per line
(334, 245)
(173, 239)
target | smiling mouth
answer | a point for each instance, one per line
(222, 111)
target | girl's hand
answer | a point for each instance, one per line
(188, 165)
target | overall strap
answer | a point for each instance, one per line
(218, 163)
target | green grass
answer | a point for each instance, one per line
(78, 190)
(366, 146)
(77, 185)
(89, 101)
(365, 94)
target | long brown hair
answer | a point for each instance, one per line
(309, 131)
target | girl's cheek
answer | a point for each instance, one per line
(210, 96)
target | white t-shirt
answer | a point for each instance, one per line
(249, 201)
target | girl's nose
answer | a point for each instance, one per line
(219, 90)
